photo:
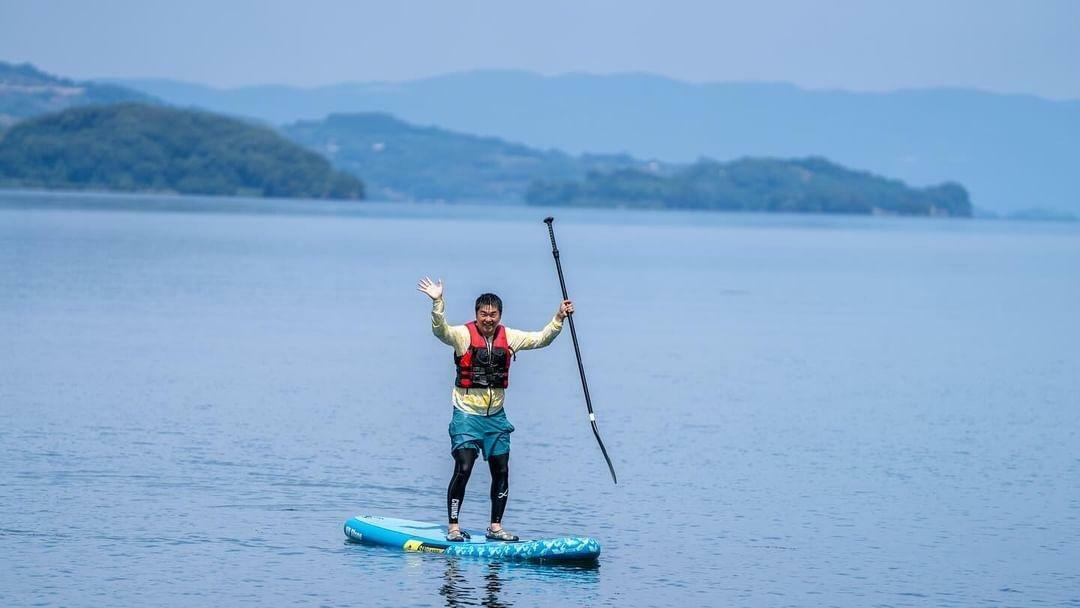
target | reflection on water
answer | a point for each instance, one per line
(493, 584)
(458, 592)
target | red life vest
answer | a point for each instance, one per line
(484, 365)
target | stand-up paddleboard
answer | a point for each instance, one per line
(431, 538)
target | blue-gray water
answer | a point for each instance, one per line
(803, 411)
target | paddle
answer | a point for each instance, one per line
(577, 350)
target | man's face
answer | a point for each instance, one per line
(487, 319)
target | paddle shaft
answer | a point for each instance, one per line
(577, 349)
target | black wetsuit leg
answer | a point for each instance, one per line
(500, 485)
(455, 494)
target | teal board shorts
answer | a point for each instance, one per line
(489, 435)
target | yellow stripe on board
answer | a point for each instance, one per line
(420, 547)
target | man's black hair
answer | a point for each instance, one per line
(489, 299)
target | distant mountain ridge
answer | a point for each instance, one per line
(138, 147)
(1011, 151)
(26, 91)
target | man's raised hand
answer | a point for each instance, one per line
(431, 288)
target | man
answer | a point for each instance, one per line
(483, 350)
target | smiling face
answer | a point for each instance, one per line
(487, 319)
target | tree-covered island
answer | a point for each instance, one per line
(403, 161)
(143, 148)
(810, 185)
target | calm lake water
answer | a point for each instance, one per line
(803, 411)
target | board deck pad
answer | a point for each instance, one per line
(424, 537)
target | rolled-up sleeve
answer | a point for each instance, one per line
(527, 340)
(456, 336)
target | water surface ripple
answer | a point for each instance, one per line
(803, 411)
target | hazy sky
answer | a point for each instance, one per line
(1010, 46)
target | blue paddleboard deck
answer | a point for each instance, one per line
(423, 537)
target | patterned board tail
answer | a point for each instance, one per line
(562, 549)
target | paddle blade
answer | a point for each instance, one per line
(610, 467)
